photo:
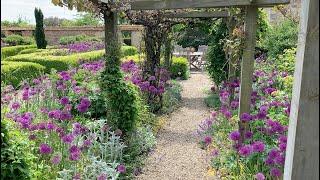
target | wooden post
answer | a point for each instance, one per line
(247, 64)
(110, 25)
(302, 155)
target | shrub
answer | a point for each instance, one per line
(78, 38)
(129, 50)
(11, 51)
(217, 66)
(14, 159)
(286, 62)
(179, 68)
(171, 98)
(30, 50)
(39, 32)
(121, 96)
(15, 72)
(15, 39)
(59, 63)
(138, 59)
(212, 100)
(280, 37)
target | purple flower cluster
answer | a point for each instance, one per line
(84, 105)
(83, 47)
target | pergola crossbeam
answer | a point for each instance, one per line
(195, 14)
(181, 4)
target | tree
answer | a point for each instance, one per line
(39, 32)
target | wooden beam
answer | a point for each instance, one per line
(302, 154)
(182, 4)
(247, 64)
(195, 14)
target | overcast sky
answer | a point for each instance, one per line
(12, 9)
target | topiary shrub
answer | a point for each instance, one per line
(14, 40)
(39, 32)
(14, 50)
(15, 72)
(60, 63)
(121, 96)
(179, 68)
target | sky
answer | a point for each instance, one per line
(12, 9)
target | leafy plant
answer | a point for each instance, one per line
(14, 40)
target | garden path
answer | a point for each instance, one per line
(177, 155)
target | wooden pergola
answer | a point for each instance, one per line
(302, 156)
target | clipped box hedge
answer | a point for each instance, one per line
(179, 68)
(60, 63)
(14, 50)
(15, 72)
(128, 51)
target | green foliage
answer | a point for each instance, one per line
(286, 62)
(121, 96)
(263, 26)
(212, 100)
(15, 72)
(14, 159)
(15, 39)
(39, 32)
(87, 19)
(171, 97)
(179, 68)
(280, 37)
(19, 23)
(217, 65)
(193, 34)
(138, 58)
(129, 51)
(78, 38)
(14, 50)
(31, 50)
(59, 63)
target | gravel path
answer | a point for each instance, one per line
(177, 155)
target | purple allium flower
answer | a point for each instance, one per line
(283, 147)
(64, 100)
(235, 135)
(56, 159)
(121, 168)
(207, 140)
(54, 114)
(280, 160)
(248, 135)
(234, 104)
(76, 176)
(68, 138)
(275, 172)
(64, 75)
(65, 115)
(50, 126)
(245, 117)
(227, 114)
(152, 89)
(258, 146)
(245, 150)
(273, 153)
(15, 106)
(260, 176)
(75, 153)
(102, 176)
(269, 162)
(45, 149)
(87, 143)
(215, 152)
(85, 101)
(152, 78)
(82, 108)
(269, 90)
(282, 139)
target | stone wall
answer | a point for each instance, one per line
(53, 34)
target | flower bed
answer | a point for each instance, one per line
(262, 153)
